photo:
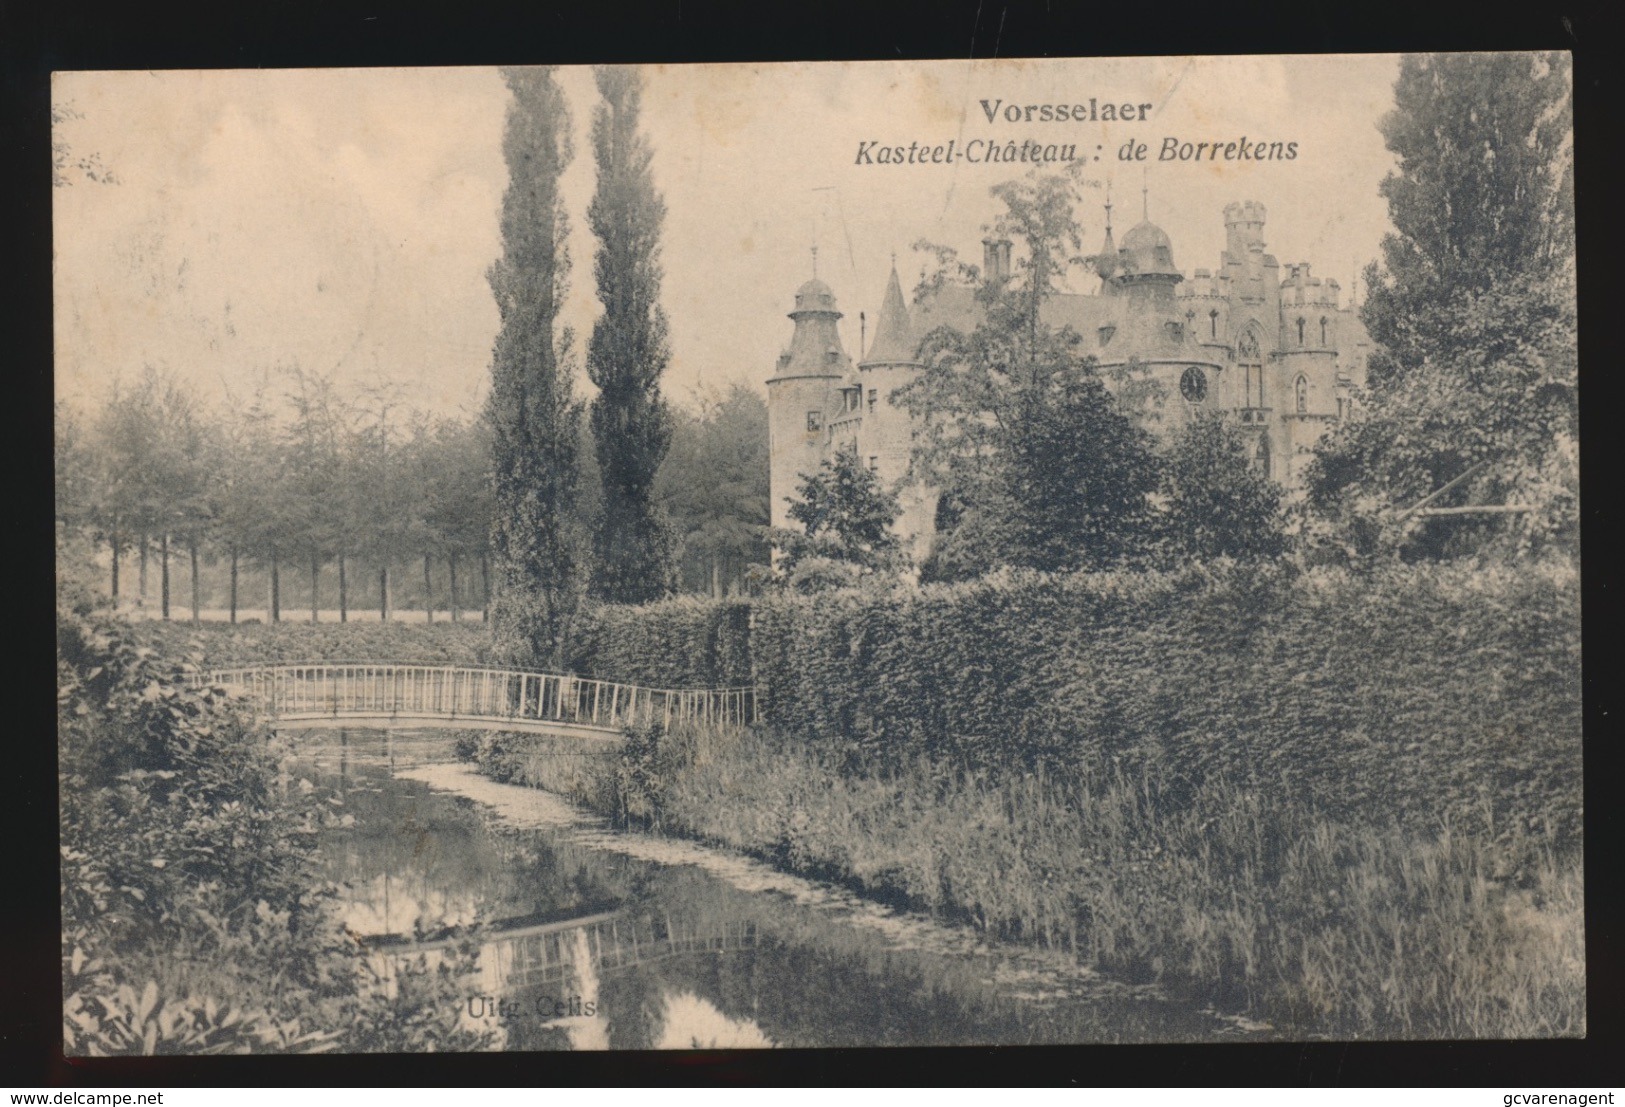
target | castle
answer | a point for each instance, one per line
(1281, 356)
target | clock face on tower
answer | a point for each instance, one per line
(1193, 385)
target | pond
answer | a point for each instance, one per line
(595, 938)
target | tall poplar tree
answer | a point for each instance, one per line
(535, 418)
(1472, 392)
(634, 559)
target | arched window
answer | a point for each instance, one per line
(1213, 323)
(1261, 456)
(1323, 331)
(1300, 331)
(1252, 370)
(1300, 390)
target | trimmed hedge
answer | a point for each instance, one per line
(1416, 694)
(681, 643)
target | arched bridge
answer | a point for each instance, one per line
(385, 695)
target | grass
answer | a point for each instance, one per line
(1240, 897)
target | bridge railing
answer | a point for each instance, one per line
(363, 690)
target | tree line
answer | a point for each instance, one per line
(356, 499)
(322, 485)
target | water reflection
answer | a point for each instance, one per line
(587, 939)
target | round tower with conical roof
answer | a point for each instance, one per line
(799, 394)
(886, 439)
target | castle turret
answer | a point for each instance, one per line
(1250, 271)
(799, 393)
(885, 440)
(1244, 228)
(1146, 263)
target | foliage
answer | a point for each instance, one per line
(1216, 504)
(301, 479)
(1234, 893)
(1473, 311)
(1483, 192)
(714, 486)
(1349, 804)
(846, 516)
(535, 418)
(66, 165)
(680, 643)
(192, 919)
(633, 547)
(1038, 465)
(1374, 694)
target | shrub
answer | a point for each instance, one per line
(1371, 696)
(192, 917)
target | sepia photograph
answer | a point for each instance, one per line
(1065, 551)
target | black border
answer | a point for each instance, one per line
(226, 34)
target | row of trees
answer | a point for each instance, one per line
(343, 491)
(330, 482)
(547, 562)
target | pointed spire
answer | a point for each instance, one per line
(894, 340)
(815, 261)
(1145, 195)
(1106, 260)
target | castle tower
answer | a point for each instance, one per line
(1145, 265)
(886, 439)
(1314, 388)
(799, 393)
(1250, 271)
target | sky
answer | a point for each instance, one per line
(342, 221)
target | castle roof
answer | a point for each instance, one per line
(815, 346)
(894, 342)
(815, 295)
(1135, 331)
(1147, 251)
(1105, 262)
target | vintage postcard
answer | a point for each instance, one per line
(818, 555)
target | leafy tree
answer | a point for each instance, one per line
(1216, 504)
(74, 461)
(1037, 464)
(390, 524)
(459, 497)
(846, 519)
(1483, 194)
(245, 463)
(1474, 391)
(535, 418)
(714, 485)
(633, 549)
(315, 448)
(148, 473)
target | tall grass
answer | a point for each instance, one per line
(1243, 897)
